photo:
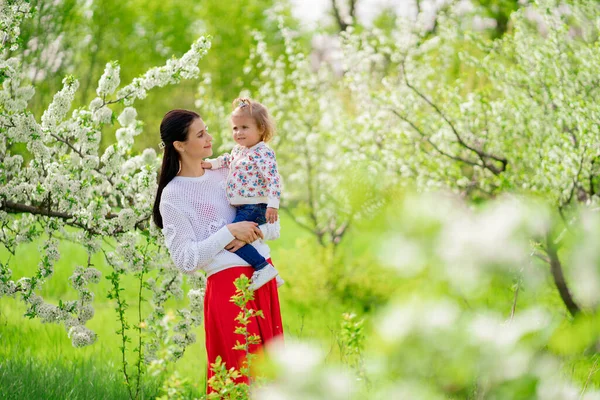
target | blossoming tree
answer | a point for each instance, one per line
(57, 184)
(521, 121)
(518, 117)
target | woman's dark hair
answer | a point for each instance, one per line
(174, 127)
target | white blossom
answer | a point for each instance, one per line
(96, 104)
(81, 336)
(48, 312)
(127, 219)
(128, 116)
(110, 80)
(61, 103)
(102, 115)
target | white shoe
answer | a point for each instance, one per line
(262, 276)
(279, 281)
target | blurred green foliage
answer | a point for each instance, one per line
(79, 38)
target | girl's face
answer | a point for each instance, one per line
(198, 144)
(245, 130)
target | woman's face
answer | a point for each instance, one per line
(199, 143)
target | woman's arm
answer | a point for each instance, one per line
(270, 232)
(189, 254)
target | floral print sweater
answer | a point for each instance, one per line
(253, 177)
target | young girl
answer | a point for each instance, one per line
(253, 182)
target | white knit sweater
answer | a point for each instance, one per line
(195, 212)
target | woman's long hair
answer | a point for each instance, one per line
(174, 127)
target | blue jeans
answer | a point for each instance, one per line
(253, 213)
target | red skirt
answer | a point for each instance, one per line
(220, 313)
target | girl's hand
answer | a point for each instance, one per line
(206, 165)
(245, 231)
(235, 245)
(271, 215)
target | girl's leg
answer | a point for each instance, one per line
(252, 213)
(249, 254)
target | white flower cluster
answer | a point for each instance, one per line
(82, 276)
(532, 114)
(447, 337)
(48, 312)
(302, 374)
(7, 286)
(171, 332)
(13, 96)
(50, 255)
(176, 69)
(110, 80)
(61, 103)
(196, 297)
(127, 117)
(128, 251)
(81, 336)
(11, 15)
(101, 114)
(73, 314)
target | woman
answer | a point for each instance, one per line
(192, 209)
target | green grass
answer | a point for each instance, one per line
(38, 360)
(25, 376)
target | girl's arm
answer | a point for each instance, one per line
(267, 164)
(223, 161)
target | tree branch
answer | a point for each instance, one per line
(559, 278)
(592, 176)
(66, 141)
(575, 181)
(428, 139)
(12, 207)
(338, 16)
(313, 231)
(513, 309)
(483, 156)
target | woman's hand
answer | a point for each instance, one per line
(245, 231)
(235, 245)
(271, 215)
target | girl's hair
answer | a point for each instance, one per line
(174, 127)
(249, 107)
